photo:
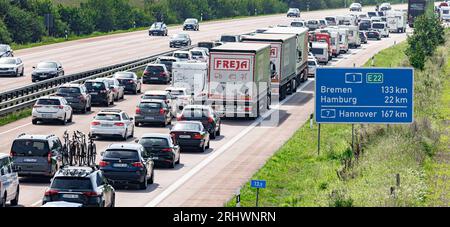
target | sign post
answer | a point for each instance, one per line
(258, 184)
(238, 198)
(364, 95)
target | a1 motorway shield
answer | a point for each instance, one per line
(365, 95)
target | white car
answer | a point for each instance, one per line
(165, 96)
(112, 123)
(356, 7)
(181, 95)
(382, 28)
(298, 23)
(182, 55)
(312, 67)
(11, 66)
(199, 54)
(52, 108)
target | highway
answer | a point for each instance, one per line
(202, 179)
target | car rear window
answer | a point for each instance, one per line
(195, 113)
(297, 24)
(95, 86)
(124, 75)
(69, 90)
(51, 102)
(108, 117)
(72, 183)
(155, 69)
(30, 148)
(122, 154)
(228, 39)
(154, 142)
(317, 51)
(186, 127)
(181, 55)
(150, 105)
(176, 93)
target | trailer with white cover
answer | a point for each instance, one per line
(193, 76)
(354, 40)
(396, 21)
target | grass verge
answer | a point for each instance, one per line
(15, 117)
(297, 176)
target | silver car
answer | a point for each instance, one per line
(117, 89)
(112, 123)
(9, 182)
(11, 66)
(312, 67)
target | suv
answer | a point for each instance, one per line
(116, 88)
(36, 154)
(204, 114)
(100, 92)
(158, 28)
(153, 111)
(46, 70)
(10, 66)
(130, 81)
(128, 163)
(52, 108)
(162, 148)
(156, 73)
(112, 123)
(167, 61)
(293, 12)
(77, 96)
(9, 182)
(191, 24)
(80, 185)
(6, 51)
(313, 25)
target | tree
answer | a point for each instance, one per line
(5, 36)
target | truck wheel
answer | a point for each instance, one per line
(15, 201)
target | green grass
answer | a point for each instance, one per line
(15, 117)
(138, 3)
(297, 176)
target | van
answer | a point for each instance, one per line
(382, 28)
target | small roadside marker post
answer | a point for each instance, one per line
(238, 197)
(258, 184)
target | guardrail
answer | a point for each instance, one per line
(25, 97)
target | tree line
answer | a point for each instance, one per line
(27, 21)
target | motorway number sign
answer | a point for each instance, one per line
(258, 184)
(364, 95)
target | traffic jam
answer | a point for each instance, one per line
(194, 93)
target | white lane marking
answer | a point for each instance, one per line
(19, 127)
(36, 203)
(173, 187)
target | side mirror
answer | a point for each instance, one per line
(131, 119)
(102, 153)
(34, 67)
(136, 141)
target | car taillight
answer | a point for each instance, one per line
(12, 153)
(90, 194)
(49, 157)
(60, 107)
(137, 164)
(103, 91)
(210, 120)
(247, 109)
(166, 150)
(138, 110)
(180, 118)
(162, 111)
(81, 97)
(94, 123)
(120, 124)
(197, 136)
(103, 164)
(51, 192)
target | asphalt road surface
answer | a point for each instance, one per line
(202, 179)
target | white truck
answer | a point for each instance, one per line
(302, 49)
(239, 79)
(282, 61)
(444, 13)
(193, 76)
(354, 40)
(382, 28)
(396, 21)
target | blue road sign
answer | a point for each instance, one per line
(365, 95)
(258, 184)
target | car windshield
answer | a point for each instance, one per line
(311, 63)
(156, 26)
(297, 24)
(186, 127)
(2, 48)
(122, 154)
(108, 117)
(150, 105)
(30, 148)
(317, 51)
(95, 85)
(378, 26)
(293, 10)
(154, 142)
(330, 19)
(124, 75)
(191, 21)
(180, 36)
(7, 61)
(68, 90)
(51, 102)
(322, 22)
(72, 183)
(312, 22)
(46, 65)
(195, 113)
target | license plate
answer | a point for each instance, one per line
(120, 165)
(70, 196)
(106, 125)
(30, 160)
(93, 93)
(47, 115)
(185, 136)
(153, 78)
(149, 118)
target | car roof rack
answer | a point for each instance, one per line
(22, 134)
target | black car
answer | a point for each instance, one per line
(167, 61)
(46, 70)
(100, 92)
(36, 155)
(151, 112)
(180, 40)
(130, 81)
(365, 25)
(373, 35)
(209, 45)
(158, 28)
(6, 51)
(204, 114)
(82, 185)
(191, 24)
(363, 37)
(156, 73)
(293, 12)
(190, 135)
(128, 164)
(164, 151)
(77, 96)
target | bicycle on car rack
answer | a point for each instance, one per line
(77, 150)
